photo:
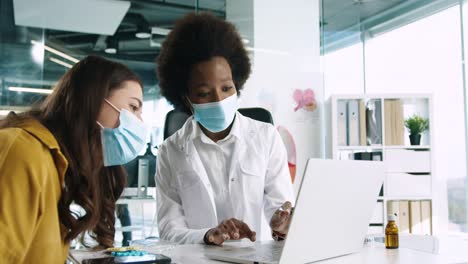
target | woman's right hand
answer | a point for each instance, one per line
(231, 229)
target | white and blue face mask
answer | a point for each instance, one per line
(122, 144)
(216, 116)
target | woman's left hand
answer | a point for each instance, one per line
(281, 220)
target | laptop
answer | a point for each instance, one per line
(333, 208)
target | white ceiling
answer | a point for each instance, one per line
(86, 16)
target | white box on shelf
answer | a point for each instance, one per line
(342, 123)
(408, 160)
(353, 123)
(404, 217)
(426, 218)
(415, 217)
(408, 185)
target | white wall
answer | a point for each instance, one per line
(286, 56)
(344, 71)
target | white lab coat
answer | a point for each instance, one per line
(259, 182)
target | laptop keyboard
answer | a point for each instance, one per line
(266, 252)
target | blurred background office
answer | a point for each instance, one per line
(343, 48)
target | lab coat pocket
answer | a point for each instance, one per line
(188, 179)
(252, 179)
(195, 200)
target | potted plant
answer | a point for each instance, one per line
(416, 126)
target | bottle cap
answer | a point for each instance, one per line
(391, 218)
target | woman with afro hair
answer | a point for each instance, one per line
(222, 176)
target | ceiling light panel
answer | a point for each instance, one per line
(87, 16)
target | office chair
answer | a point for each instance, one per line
(175, 119)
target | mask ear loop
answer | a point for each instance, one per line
(111, 105)
(99, 124)
(189, 104)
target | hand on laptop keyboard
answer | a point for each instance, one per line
(231, 229)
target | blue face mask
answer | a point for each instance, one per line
(216, 116)
(122, 144)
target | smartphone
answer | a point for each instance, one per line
(146, 259)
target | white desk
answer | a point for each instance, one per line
(445, 250)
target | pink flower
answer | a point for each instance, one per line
(305, 99)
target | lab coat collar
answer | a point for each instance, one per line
(192, 129)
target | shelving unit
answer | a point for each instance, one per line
(373, 126)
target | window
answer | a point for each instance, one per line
(424, 56)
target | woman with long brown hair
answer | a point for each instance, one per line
(68, 151)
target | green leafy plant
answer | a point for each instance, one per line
(416, 124)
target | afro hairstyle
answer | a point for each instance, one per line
(197, 38)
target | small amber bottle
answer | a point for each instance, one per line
(391, 233)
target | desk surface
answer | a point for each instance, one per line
(446, 250)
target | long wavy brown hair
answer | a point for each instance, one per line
(70, 113)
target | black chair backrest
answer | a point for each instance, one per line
(175, 119)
